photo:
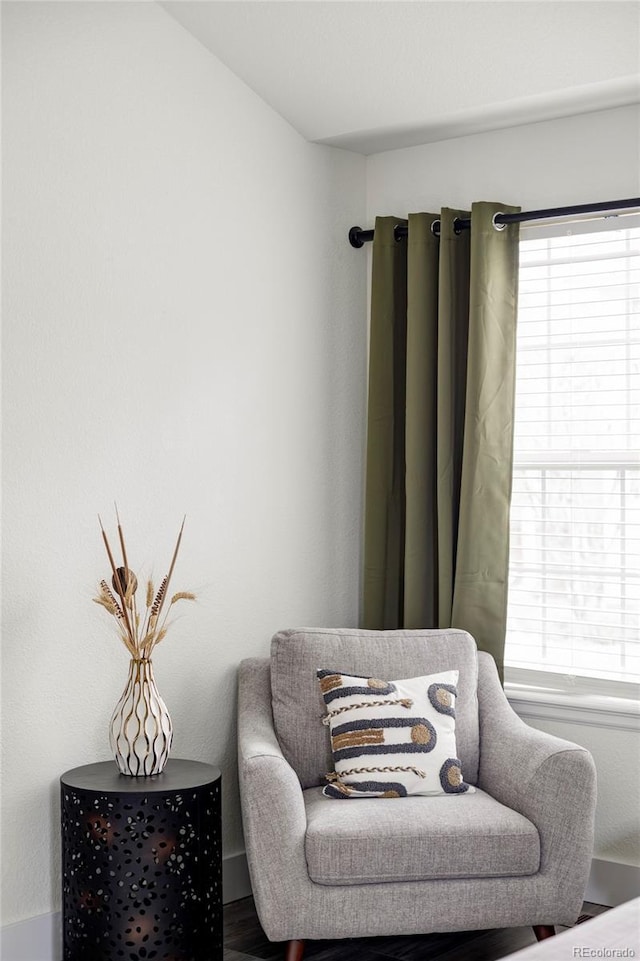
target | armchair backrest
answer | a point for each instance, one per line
(391, 655)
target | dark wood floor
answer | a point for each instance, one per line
(244, 940)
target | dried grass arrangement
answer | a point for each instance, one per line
(140, 633)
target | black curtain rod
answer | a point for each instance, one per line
(358, 237)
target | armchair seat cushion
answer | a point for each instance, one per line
(369, 841)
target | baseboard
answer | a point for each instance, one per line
(35, 939)
(235, 878)
(612, 883)
(39, 938)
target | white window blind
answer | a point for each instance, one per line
(574, 578)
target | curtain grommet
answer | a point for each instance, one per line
(435, 228)
(457, 229)
(496, 225)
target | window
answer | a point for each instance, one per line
(574, 578)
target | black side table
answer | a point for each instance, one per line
(141, 864)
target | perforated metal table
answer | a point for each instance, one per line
(141, 864)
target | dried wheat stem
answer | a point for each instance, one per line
(183, 596)
(156, 638)
(180, 596)
(117, 582)
(121, 536)
(109, 554)
(173, 564)
(108, 606)
(127, 643)
(136, 618)
(131, 582)
(150, 625)
(175, 553)
(147, 613)
(159, 637)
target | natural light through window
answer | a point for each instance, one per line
(574, 584)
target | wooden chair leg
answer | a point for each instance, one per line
(295, 951)
(543, 931)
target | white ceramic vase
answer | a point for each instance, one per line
(140, 731)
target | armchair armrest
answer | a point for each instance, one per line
(273, 810)
(548, 780)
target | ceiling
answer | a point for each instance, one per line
(372, 75)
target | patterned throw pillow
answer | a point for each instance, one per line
(392, 738)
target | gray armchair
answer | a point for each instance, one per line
(515, 852)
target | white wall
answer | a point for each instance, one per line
(576, 160)
(594, 157)
(184, 331)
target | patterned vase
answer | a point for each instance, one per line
(140, 731)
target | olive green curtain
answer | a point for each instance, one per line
(440, 425)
